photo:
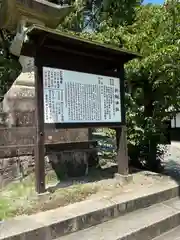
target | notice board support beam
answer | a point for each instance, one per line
(39, 141)
(122, 151)
(121, 133)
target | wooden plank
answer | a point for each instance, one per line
(66, 135)
(28, 149)
(58, 147)
(26, 135)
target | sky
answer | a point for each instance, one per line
(154, 1)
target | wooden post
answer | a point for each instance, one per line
(122, 151)
(90, 135)
(39, 142)
(121, 133)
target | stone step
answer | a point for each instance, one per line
(143, 224)
(123, 212)
(174, 234)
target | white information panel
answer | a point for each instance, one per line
(76, 97)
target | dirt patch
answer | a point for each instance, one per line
(19, 198)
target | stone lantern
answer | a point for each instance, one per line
(16, 16)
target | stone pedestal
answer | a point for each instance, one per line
(21, 96)
(22, 88)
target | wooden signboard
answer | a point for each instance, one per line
(78, 84)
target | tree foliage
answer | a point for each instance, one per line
(152, 81)
(117, 12)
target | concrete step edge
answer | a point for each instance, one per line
(143, 224)
(154, 230)
(172, 234)
(63, 221)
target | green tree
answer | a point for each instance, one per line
(152, 82)
(117, 12)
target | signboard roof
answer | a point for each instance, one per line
(57, 40)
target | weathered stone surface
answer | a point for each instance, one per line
(20, 119)
(12, 168)
(123, 179)
(139, 225)
(73, 163)
(171, 235)
(67, 164)
(35, 11)
(17, 168)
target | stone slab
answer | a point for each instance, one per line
(174, 234)
(78, 216)
(143, 224)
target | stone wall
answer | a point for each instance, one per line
(15, 168)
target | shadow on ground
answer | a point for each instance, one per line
(171, 169)
(171, 164)
(94, 175)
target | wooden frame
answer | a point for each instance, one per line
(40, 64)
(57, 50)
